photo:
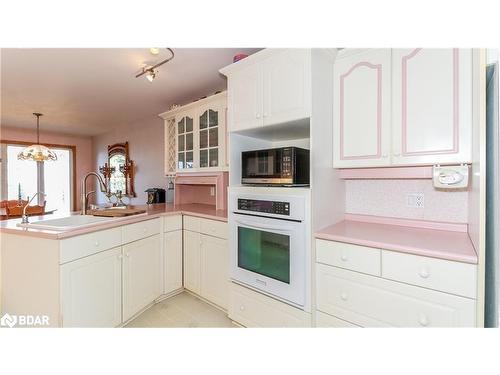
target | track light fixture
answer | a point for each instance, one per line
(151, 72)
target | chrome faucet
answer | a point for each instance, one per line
(85, 195)
(24, 217)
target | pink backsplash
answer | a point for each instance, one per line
(388, 198)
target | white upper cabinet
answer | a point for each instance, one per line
(270, 87)
(195, 136)
(402, 107)
(362, 109)
(245, 98)
(432, 106)
(287, 86)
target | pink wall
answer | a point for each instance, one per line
(146, 149)
(84, 154)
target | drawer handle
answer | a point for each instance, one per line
(424, 322)
(96, 243)
(424, 274)
(343, 296)
(343, 258)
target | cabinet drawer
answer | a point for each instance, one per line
(87, 244)
(444, 275)
(172, 223)
(327, 321)
(252, 309)
(214, 228)
(191, 223)
(371, 301)
(142, 229)
(352, 257)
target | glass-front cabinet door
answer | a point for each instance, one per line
(209, 142)
(185, 142)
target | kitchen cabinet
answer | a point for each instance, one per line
(206, 259)
(402, 107)
(195, 136)
(192, 261)
(402, 290)
(214, 270)
(172, 257)
(270, 87)
(142, 278)
(91, 291)
(362, 109)
(432, 106)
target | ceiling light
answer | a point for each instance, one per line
(154, 51)
(37, 152)
(151, 75)
(151, 72)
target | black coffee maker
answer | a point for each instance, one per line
(156, 195)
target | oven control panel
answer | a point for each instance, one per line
(268, 207)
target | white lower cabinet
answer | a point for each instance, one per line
(172, 264)
(142, 281)
(370, 301)
(206, 259)
(192, 261)
(91, 291)
(215, 270)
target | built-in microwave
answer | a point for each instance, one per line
(285, 166)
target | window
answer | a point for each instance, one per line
(25, 178)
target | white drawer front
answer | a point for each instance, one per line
(444, 275)
(371, 301)
(252, 309)
(142, 229)
(214, 228)
(172, 223)
(352, 257)
(327, 321)
(87, 244)
(192, 223)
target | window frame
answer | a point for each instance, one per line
(72, 148)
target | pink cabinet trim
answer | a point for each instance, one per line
(378, 67)
(404, 105)
(386, 173)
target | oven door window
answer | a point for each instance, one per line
(265, 253)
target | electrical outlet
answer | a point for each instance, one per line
(212, 191)
(415, 200)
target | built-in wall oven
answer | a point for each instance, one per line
(268, 243)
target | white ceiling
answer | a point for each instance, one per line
(91, 91)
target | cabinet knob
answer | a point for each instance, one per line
(257, 115)
(96, 243)
(343, 296)
(127, 255)
(145, 230)
(343, 258)
(424, 274)
(242, 308)
(424, 321)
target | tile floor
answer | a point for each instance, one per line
(182, 311)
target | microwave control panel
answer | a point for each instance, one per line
(268, 207)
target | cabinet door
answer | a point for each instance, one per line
(192, 265)
(287, 86)
(362, 110)
(142, 281)
(215, 270)
(245, 98)
(432, 106)
(185, 130)
(172, 261)
(91, 292)
(211, 137)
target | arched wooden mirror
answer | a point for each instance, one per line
(119, 170)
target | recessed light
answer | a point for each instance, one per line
(154, 51)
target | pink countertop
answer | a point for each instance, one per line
(152, 211)
(416, 239)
